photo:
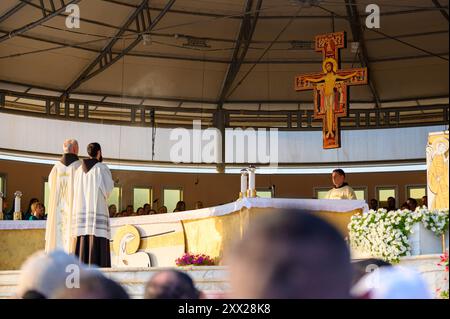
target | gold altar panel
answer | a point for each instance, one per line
(213, 236)
(29, 241)
(339, 220)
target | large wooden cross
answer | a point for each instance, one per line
(331, 86)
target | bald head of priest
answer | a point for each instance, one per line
(70, 146)
(341, 189)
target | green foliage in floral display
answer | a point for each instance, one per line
(384, 234)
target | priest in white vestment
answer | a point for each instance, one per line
(58, 232)
(93, 185)
(341, 189)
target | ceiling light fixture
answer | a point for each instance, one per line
(147, 39)
(302, 45)
(196, 43)
(306, 3)
(354, 47)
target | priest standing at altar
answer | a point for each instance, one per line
(341, 189)
(59, 211)
(93, 185)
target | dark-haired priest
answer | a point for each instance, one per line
(341, 189)
(93, 185)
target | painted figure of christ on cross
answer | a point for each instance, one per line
(331, 87)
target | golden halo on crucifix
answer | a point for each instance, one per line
(332, 61)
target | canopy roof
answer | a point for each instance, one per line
(217, 51)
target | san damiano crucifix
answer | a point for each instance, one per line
(331, 86)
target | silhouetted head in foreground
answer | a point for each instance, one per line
(293, 255)
(171, 284)
(365, 266)
(93, 286)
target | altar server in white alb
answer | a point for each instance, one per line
(93, 185)
(58, 232)
(341, 189)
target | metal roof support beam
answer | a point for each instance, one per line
(96, 96)
(107, 52)
(441, 9)
(266, 17)
(358, 36)
(11, 11)
(243, 41)
(53, 13)
(106, 58)
(224, 61)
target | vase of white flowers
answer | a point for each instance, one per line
(390, 235)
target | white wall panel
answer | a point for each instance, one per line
(43, 135)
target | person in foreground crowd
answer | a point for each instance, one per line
(181, 207)
(394, 282)
(147, 209)
(129, 210)
(162, 210)
(42, 274)
(412, 204)
(93, 285)
(171, 284)
(4, 208)
(373, 204)
(341, 189)
(404, 206)
(93, 185)
(27, 214)
(425, 201)
(37, 211)
(112, 209)
(199, 205)
(391, 204)
(290, 255)
(365, 266)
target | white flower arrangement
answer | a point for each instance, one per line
(384, 234)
